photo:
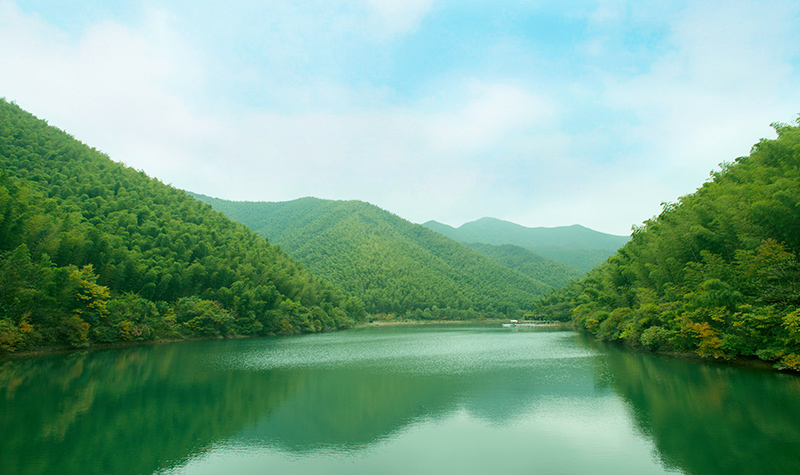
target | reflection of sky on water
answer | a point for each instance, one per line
(394, 400)
(401, 401)
(596, 439)
(423, 351)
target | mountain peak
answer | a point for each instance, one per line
(575, 245)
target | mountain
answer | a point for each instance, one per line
(576, 246)
(92, 251)
(393, 265)
(552, 273)
(497, 231)
(716, 274)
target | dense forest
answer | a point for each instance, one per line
(576, 246)
(715, 274)
(394, 266)
(553, 273)
(93, 251)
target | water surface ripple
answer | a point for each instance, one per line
(426, 399)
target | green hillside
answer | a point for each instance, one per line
(92, 251)
(576, 246)
(553, 273)
(394, 266)
(716, 274)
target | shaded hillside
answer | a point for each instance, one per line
(576, 246)
(716, 273)
(394, 266)
(552, 273)
(93, 251)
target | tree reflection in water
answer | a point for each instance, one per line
(708, 418)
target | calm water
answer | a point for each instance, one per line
(462, 400)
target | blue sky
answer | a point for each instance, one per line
(545, 113)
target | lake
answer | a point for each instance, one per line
(386, 400)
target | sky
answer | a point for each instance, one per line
(539, 112)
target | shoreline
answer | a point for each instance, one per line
(56, 350)
(63, 349)
(749, 362)
(391, 323)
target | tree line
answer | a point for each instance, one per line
(716, 274)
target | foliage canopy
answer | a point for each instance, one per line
(93, 251)
(394, 266)
(716, 274)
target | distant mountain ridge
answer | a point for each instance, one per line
(576, 245)
(395, 266)
(549, 271)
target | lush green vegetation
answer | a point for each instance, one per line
(394, 266)
(553, 273)
(682, 405)
(93, 251)
(575, 246)
(716, 274)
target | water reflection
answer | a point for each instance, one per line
(354, 392)
(122, 411)
(378, 398)
(709, 418)
(140, 410)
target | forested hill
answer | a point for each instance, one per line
(552, 273)
(576, 246)
(93, 251)
(393, 265)
(716, 273)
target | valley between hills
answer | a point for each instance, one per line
(94, 252)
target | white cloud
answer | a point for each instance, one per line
(398, 152)
(713, 94)
(521, 148)
(491, 113)
(398, 16)
(123, 89)
(118, 88)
